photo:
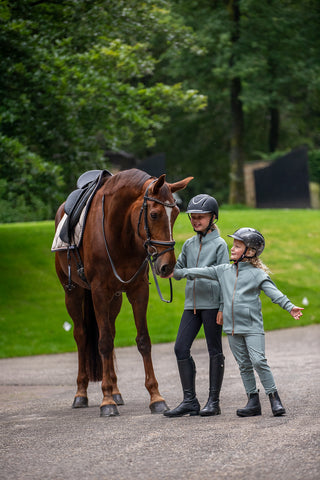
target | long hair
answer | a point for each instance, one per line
(215, 227)
(257, 262)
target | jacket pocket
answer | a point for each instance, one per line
(189, 291)
(242, 319)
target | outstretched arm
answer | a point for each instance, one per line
(296, 312)
(192, 273)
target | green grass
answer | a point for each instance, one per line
(32, 310)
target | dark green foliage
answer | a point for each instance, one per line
(72, 80)
(78, 78)
(276, 59)
(28, 184)
(314, 166)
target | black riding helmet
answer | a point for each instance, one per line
(204, 203)
(251, 238)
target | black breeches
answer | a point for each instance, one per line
(189, 327)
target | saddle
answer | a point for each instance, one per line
(87, 185)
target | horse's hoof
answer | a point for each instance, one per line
(159, 407)
(109, 410)
(117, 397)
(80, 402)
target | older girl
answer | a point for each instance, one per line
(201, 307)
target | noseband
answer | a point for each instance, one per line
(150, 245)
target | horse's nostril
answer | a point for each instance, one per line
(165, 270)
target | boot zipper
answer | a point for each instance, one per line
(234, 291)
(194, 281)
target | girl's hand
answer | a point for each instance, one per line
(296, 312)
(219, 320)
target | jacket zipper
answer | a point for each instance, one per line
(234, 291)
(194, 282)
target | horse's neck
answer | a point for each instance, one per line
(122, 224)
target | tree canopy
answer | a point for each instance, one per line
(211, 84)
(258, 64)
(73, 80)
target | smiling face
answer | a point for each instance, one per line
(237, 250)
(200, 221)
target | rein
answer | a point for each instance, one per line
(151, 256)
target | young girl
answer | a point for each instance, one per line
(241, 284)
(202, 303)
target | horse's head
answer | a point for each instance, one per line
(158, 214)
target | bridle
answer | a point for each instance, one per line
(150, 245)
(149, 242)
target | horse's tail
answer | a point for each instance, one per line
(93, 359)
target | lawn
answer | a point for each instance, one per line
(32, 310)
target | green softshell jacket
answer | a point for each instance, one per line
(241, 286)
(202, 251)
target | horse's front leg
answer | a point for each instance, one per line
(139, 302)
(115, 306)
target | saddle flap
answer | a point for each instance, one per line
(64, 232)
(72, 200)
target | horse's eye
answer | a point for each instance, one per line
(154, 215)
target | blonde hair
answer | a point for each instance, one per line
(257, 262)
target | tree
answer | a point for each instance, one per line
(73, 79)
(258, 63)
(237, 191)
(78, 78)
(27, 182)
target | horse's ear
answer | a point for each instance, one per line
(158, 184)
(180, 185)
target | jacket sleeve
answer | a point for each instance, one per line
(192, 273)
(275, 294)
(181, 264)
(222, 258)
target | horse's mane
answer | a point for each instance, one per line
(132, 178)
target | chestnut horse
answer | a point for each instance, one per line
(129, 223)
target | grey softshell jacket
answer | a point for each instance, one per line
(241, 286)
(201, 251)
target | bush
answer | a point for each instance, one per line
(29, 186)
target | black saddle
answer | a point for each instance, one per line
(87, 185)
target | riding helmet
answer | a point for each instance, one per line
(251, 238)
(203, 203)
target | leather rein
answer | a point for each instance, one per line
(150, 245)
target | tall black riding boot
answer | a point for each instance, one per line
(276, 405)
(190, 404)
(252, 408)
(216, 371)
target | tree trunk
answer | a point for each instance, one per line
(237, 190)
(274, 129)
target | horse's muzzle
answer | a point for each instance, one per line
(164, 264)
(163, 261)
(165, 270)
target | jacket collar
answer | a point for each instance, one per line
(244, 265)
(210, 236)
